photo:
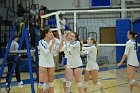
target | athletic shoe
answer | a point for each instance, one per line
(6, 84)
(20, 84)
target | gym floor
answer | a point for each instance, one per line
(113, 82)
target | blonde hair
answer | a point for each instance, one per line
(67, 33)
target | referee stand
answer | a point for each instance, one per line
(22, 38)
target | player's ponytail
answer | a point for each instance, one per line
(95, 42)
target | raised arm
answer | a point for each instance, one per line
(88, 48)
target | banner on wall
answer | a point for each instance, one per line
(100, 3)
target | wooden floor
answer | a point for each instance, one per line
(112, 82)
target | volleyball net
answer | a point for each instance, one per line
(90, 21)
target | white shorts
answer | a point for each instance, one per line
(46, 61)
(135, 64)
(47, 65)
(93, 66)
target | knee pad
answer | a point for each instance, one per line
(133, 82)
(85, 84)
(68, 83)
(99, 85)
(51, 84)
(40, 85)
(45, 86)
(80, 84)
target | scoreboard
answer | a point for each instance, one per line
(100, 3)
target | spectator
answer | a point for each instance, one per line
(36, 21)
(32, 25)
(41, 12)
(44, 9)
(24, 21)
(52, 22)
(33, 10)
(21, 11)
(62, 22)
(41, 23)
(11, 59)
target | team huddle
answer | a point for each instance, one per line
(70, 43)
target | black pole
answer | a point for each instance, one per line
(13, 5)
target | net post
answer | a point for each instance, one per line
(58, 24)
(75, 21)
(123, 6)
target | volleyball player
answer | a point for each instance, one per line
(47, 47)
(74, 63)
(65, 49)
(92, 66)
(132, 60)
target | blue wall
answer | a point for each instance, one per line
(122, 27)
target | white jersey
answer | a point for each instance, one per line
(91, 58)
(45, 55)
(14, 46)
(130, 51)
(74, 59)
